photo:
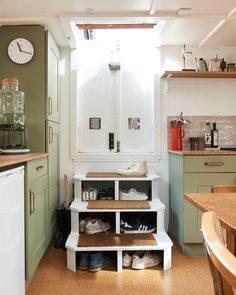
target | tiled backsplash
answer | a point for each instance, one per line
(226, 126)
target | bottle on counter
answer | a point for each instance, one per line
(207, 135)
(214, 136)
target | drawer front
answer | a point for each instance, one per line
(37, 168)
(208, 164)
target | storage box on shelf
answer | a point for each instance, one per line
(80, 208)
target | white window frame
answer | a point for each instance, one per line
(111, 156)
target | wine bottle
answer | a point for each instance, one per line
(207, 135)
(214, 136)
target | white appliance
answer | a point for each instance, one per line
(12, 256)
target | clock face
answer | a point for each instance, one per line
(20, 51)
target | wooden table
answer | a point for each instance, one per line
(224, 204)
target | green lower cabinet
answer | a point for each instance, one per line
(36, 194)
(36, 224)
(190, 174)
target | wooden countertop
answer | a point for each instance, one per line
(8, 160)
(202, 153)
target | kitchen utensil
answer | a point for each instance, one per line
(183, 121)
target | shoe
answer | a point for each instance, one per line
(126, 260)
(102, 195)
(85, 195)
(92, 194)
(98, 261)
(148, 260)
(110, 194)
(136, 169)
(84, 260)
(82, 224)
(139, 228)
(96, 226)
(132, 194)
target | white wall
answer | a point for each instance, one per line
(191, 96)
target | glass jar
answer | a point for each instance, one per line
(11, 104)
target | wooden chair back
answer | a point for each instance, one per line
(223, 188)
(221, 261)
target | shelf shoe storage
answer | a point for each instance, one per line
(156, 208)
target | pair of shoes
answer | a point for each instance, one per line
(148, 260)
(94, 226)
(94, 261)
(89, 194)
(138, 227)
(136, 169)
(132, 194)
(106, 194)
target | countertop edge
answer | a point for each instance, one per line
(8, 160)
(202, 153)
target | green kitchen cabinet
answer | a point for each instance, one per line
(36, 195)
(189, 174)
(39, 80)
(53, 170)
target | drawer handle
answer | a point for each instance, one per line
(39, 168)
(211, 164)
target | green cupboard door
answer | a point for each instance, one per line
(52, 80)
(53, 170)
(36, 224)
(198, 183)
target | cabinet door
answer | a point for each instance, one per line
(200, 182)
(53, 184)
(35, 224)
(52, 80)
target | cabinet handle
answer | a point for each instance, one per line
(32, 207)
(50, 105)
(214, 164)
(39, 168)
(50, 134)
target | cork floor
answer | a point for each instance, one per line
(188, 275)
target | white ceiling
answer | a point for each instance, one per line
(210, 22)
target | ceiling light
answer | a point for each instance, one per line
(184, 11)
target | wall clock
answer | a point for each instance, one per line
(20, 51)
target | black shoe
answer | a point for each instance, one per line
(138, 228)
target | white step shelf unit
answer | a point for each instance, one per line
(78, 206)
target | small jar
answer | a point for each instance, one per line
(11, 104)
(231, 67)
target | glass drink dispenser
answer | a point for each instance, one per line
(11, 105)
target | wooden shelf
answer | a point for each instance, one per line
(197, 74)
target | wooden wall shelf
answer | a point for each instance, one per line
(197, 74)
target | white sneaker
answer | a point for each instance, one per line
(126, 260)
(82, 224)
(96, 226)
(132, 194)
(137, 169)
(92, 194)
(148, 260)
